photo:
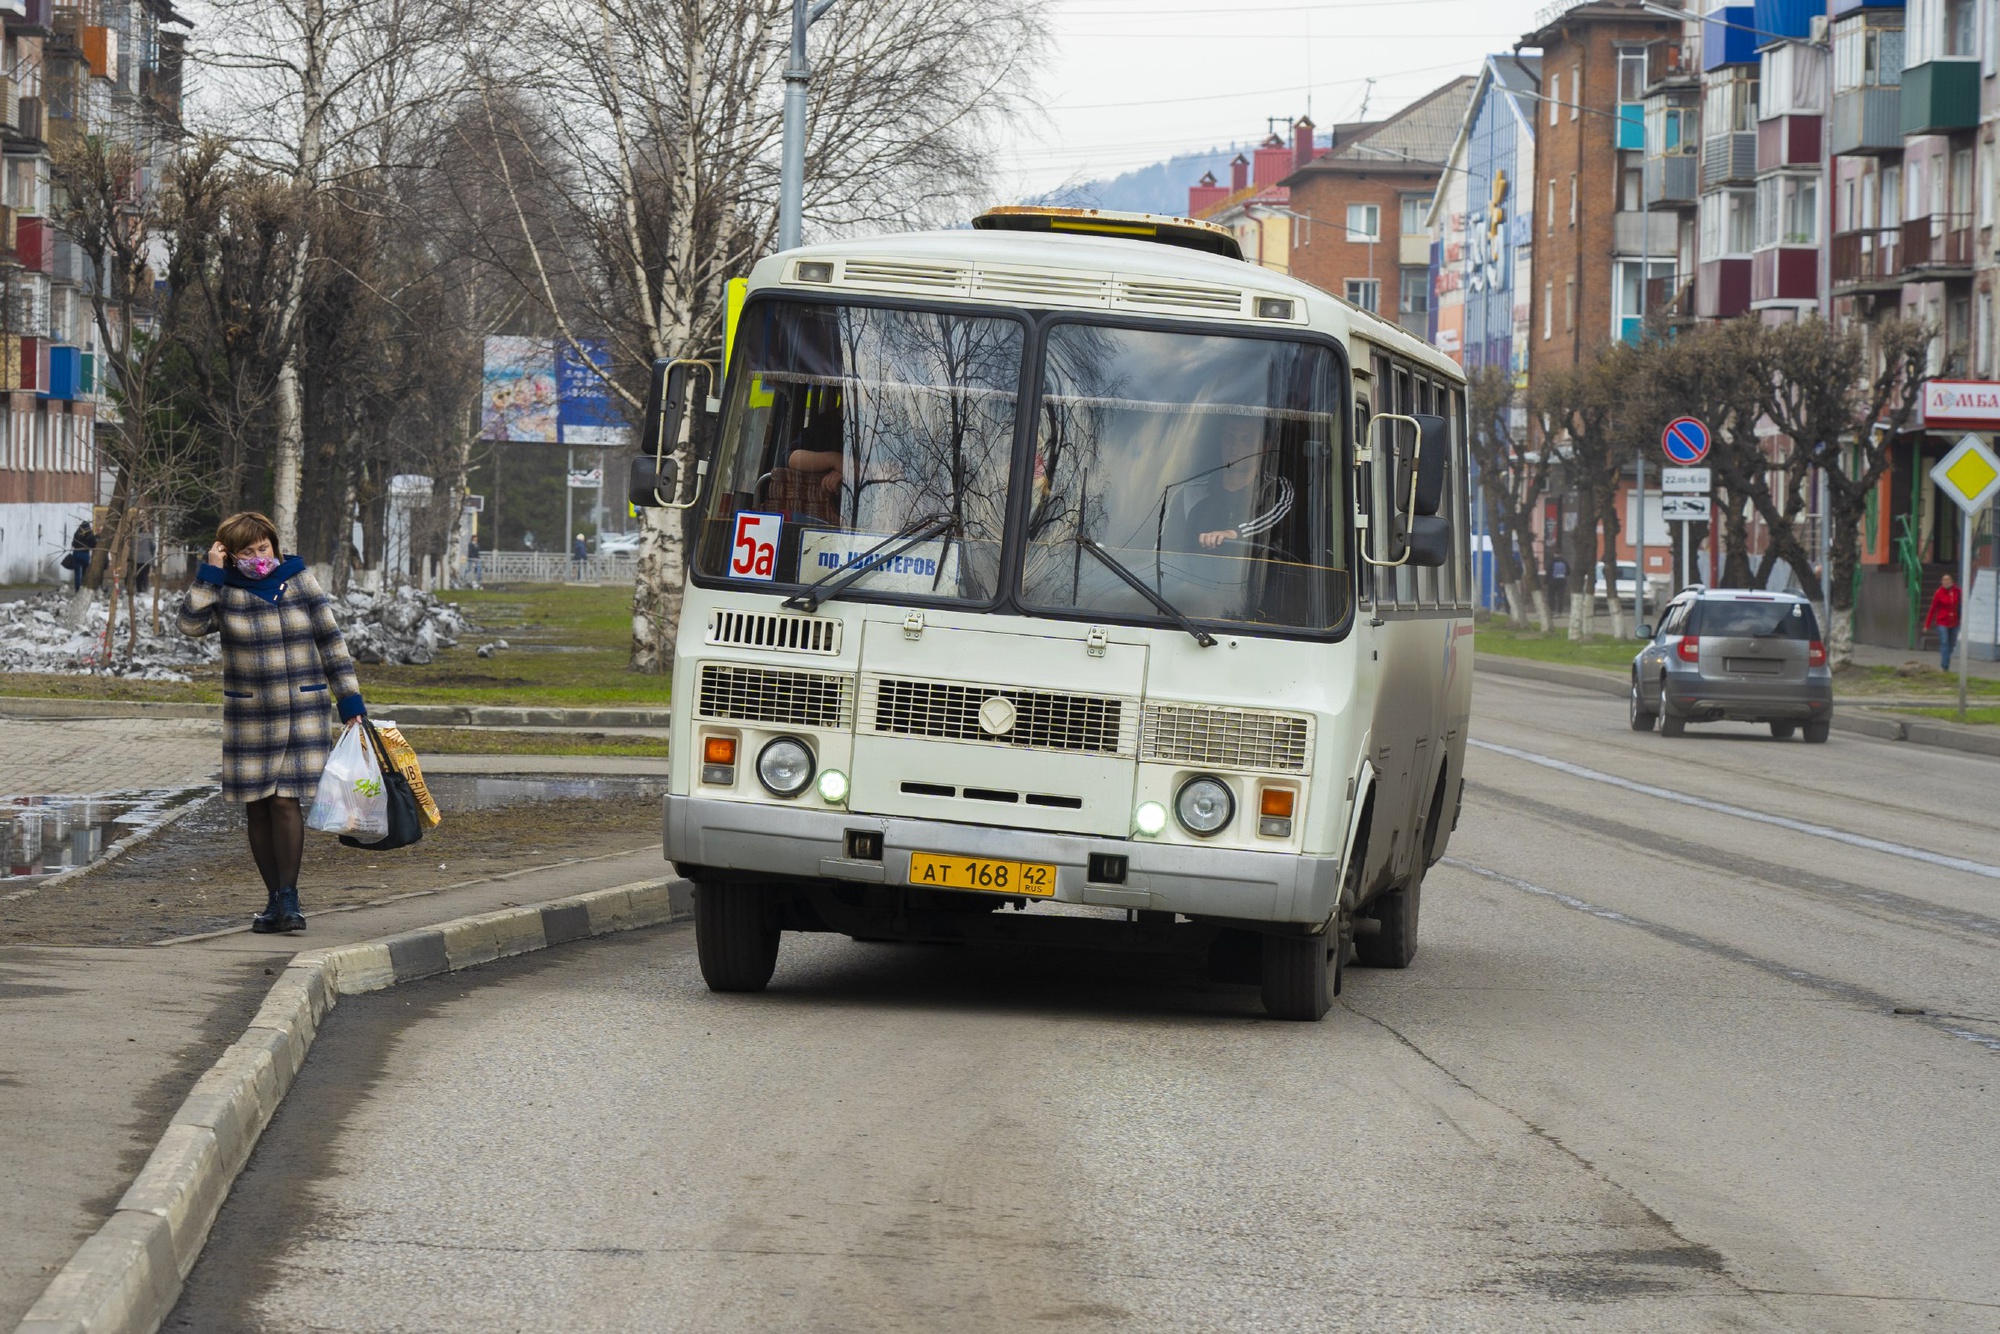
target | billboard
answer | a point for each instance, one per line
(588, 412)
(519, 401)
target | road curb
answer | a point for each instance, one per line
(126, 1276)
(1857, 720)
(29, 707)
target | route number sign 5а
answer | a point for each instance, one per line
(754, 553)
(1970, 475)
(1685, 442)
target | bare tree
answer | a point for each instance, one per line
(1574, 408)
(1513, 477)
(636, 142)
(1842, 403)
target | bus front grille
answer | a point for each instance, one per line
(1041, 719)
(1218, 738)
(761, 695)
(761, 629)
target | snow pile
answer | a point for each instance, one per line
(398, 625)
(45, 634)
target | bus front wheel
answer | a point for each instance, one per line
(734, 937)
(1297, 984)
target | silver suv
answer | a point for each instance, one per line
(1731, 654)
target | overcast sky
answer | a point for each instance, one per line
(1130, 82)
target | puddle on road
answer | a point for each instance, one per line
(44, 835)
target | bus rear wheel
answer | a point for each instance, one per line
(1395, 945)
(734, 937)
(1297, 982)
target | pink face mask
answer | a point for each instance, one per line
(255, 567)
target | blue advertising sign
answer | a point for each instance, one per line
(1685, 442)
(588, 412)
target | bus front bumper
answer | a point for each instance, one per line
(791, 844)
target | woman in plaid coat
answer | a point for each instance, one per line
(281, 651)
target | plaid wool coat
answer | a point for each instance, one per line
(280, 651)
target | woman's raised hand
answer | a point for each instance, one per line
(217, 556)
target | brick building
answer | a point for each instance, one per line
(1596, 243)
(1360, 211)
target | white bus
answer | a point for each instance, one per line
(1067, 580)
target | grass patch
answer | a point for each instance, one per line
(1908, 682)
(567, 646)
(1513, 642)
(1988, 716)
(493, 741)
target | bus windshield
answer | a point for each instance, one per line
(850, 424)
(1207, 465)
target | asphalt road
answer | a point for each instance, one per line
(1647, 1073)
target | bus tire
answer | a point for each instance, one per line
(734, 937)
(1395, 945)
(1296, 982)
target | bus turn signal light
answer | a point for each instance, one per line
(719, 750)
(1274, 812)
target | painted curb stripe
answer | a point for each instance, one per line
(126, 1276)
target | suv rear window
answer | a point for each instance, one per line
(1732, 619)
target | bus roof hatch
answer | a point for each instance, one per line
(1184, 232)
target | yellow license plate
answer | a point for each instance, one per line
(929, 870)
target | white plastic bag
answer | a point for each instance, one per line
(352, 798)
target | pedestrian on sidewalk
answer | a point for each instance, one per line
(145, 550)
(81, 544)
(1943, 618)
(472, 563)
(579, 553)
(281, 650)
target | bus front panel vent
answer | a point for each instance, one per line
(762, 695)
(758, 629)
(1031, 719)
(1222, 738)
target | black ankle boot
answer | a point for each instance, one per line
(289, 916)
(266, 922)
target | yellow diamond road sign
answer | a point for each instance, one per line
(1970, 474)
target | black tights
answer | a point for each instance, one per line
(277, 840)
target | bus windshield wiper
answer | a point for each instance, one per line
(1168, 609)
(833, 585)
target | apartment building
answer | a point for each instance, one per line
(72, 68)
(1256, 206)
(1361, 210)
(1597, 244)
(1483, 220)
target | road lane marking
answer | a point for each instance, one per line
(1847, 991)
(1745, 813)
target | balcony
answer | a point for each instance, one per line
(1788, 141)
(1414, 251)
(1669, 63)
(1784, 275)
(1646, 234)
(1936, 245)
(1867, 122)
(34, 18)
(1869, 260)
(1728, 159)
(1673, 180)
(1940, 96)
(1722, 288)
(1729, 37)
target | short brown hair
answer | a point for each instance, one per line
(239, 532)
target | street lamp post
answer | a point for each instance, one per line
(798, 75)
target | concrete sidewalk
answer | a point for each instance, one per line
(102, 1045)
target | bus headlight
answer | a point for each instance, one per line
(1150, 819)
(1205, 806)
(833, 787)
(785, 767)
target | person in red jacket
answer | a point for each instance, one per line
(1943, 618)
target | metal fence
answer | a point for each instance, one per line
(547, 567)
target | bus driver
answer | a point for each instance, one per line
(1236, 501)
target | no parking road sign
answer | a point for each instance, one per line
(1685, 442)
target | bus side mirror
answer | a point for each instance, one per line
(660, 468)
(1421, 462)
(1429, 541)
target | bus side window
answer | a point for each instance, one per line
(1364, 502)
(1461, 498)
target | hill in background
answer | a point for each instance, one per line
(1160, 188)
